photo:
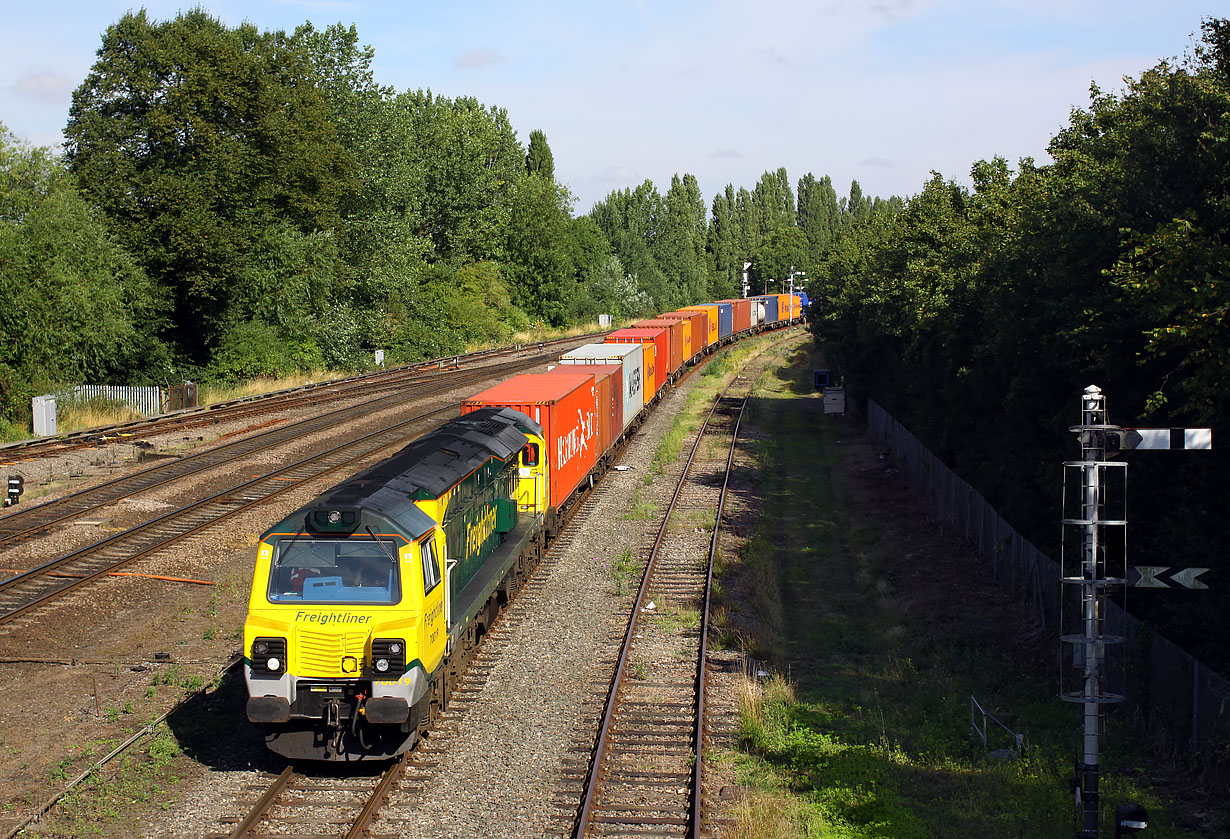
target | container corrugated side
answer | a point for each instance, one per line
(631, 357)
(772, 307)
(695, 338)
(710, 311)
(565, 404)
(656, 342)
(608, 380)
(742, 309)
(675, 328)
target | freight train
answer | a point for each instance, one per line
(368, 602)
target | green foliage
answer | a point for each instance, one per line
(978, 316)
(193, 138)
(538, 157)
(250, 350)
(79, 307)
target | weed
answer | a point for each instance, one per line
(673, 620)
(624, 569)
(59, 772)
(642, 508)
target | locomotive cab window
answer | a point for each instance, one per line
(529, 455)
(431, 568)
(308, 570)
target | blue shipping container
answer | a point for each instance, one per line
(726, 319)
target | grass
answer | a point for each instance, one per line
(109, 802)
(625, 570)
(869, 735)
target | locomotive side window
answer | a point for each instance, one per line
(529, 455)
(431, 567)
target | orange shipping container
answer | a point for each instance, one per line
(697, 333)
(608, 389)
(710, 311)
(566, 406)
(787, 307)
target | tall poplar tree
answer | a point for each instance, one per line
(538, 157)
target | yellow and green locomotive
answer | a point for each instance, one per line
(366, 602)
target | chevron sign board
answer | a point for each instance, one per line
(1163, 576)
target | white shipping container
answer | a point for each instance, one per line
(631, 356)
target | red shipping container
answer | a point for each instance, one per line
(699, 333)
(608, 388)
(678, 346)
(657, 354)
(742, 309)
(566, 406)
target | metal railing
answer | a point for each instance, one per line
(146, 400)
(1162, 676)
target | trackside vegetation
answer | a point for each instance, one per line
(877, 634)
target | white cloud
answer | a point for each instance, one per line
(43, 88)
(476, 59)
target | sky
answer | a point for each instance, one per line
(883, 92)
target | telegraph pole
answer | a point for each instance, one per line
(1094, 563)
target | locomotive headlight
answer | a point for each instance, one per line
(388, 657)
(268, 655)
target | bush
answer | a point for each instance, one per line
(251, 350)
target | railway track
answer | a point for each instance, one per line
(370, 384)
(644, 777)
(31, 590)
(284, 805)
(297, 803)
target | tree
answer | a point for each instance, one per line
(679, 247)
(192, 137)
(819, 216)
(723, 244)
(470, 162)
(539, 265)
(538, 157)
(79, 308)
(782, 252)
(773, 203)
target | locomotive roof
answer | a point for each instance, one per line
(426, 467)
